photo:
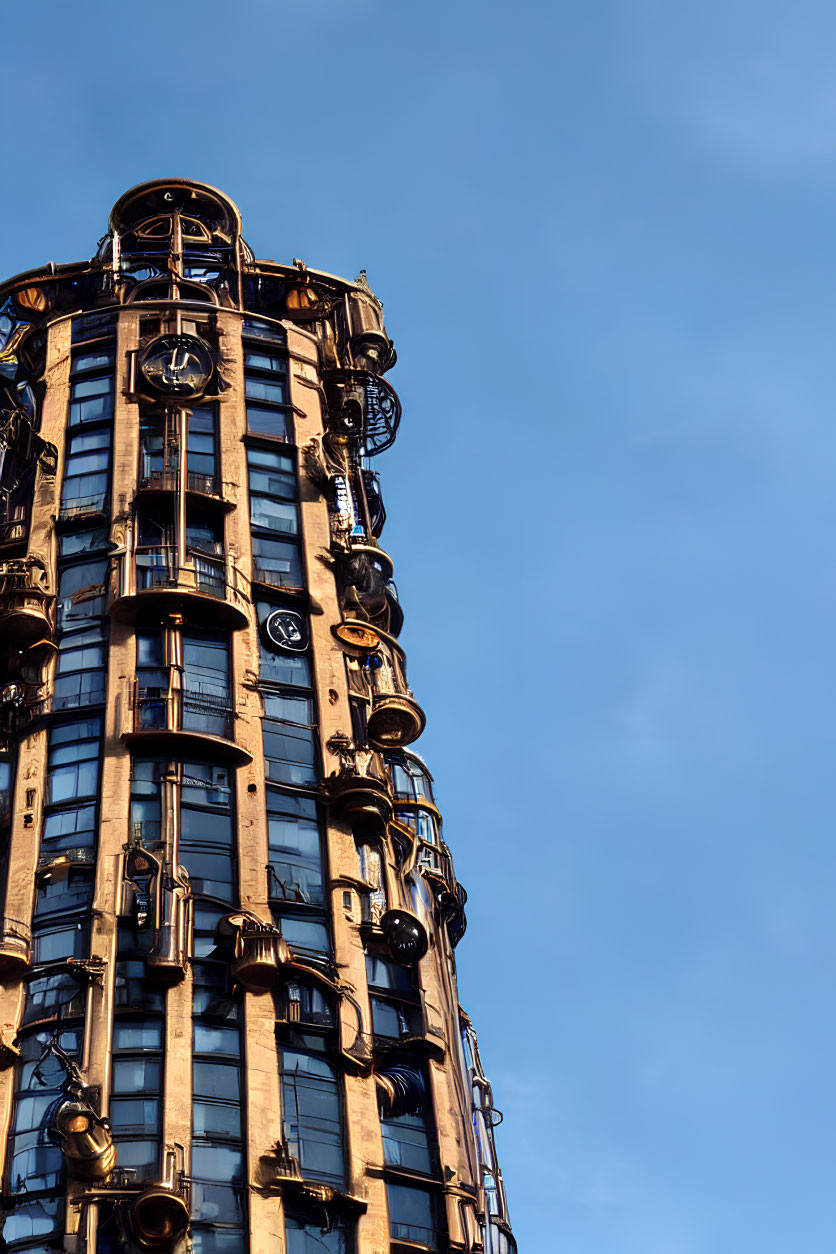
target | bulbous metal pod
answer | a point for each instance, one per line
(85, 1140)
(405, 935)
(395, 721)
(260, 953)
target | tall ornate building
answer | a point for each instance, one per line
(229, 1015)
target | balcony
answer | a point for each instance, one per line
(26, 608)
(182, 721)
(378, 673)
(205, 487)
(449, 894)
(361, 787)
(15, 947)
(205, 584)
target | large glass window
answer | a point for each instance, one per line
(135, 1093)
(306, 1235)
(73, 762)
(412, 1214)
(34, 1162)
(410, 778)
(207, 834)
(218, 1203)
(80, 673)
(289, 745)
(81, 591)
(276, 562)
(272, 491)
(206, 699)
(86, 472)
(406, 1142)
(91, 385)
(202, 450)
(266, 380)
(312, 1123)
(295, 855)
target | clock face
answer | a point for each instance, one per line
(177, 365)
(285, 630)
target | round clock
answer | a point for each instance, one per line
(178, 365)
(285, 629)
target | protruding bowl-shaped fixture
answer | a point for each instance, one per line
(395, 721)
(85, 1140)
(405, 935)
(260, 953)
(159, 1218)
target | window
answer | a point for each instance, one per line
(276, 562)
(86, 472)
(272, 491)
(312, 1122)
(295, 854)
(406, 1142)
(73, 762)
(135, 1092)
(60, 891)
(80, 675)
(394, 1002)
(202, 450)
(207, 835)
(266, 380)
(305, 1234)
(34, 1162)
(206, 699)
(289, 747)
(91, 385)
(410, 778)
(412, 1214)
(217, 1169)
(81, 591)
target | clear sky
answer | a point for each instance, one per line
(604, 233)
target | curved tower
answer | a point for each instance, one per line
(229, 1019)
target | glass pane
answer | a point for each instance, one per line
(268, 421)
(215, 1120)
(215, 1079)
(137, 1034)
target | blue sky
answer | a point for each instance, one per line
(604, 236)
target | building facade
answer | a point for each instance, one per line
(229, 1018)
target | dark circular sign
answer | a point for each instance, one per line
(286, 630)
(177, 365)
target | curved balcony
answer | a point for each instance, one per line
(182, 721)
(378, 673)
(205, 489)
(15, 947)
(361, 787)
(153, 577)
(26, 609)
(363, 405)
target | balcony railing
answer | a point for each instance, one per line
(15, 944)
(157, 566)
(169, 481)
(208, 711)
(83, 506)
(157, 569)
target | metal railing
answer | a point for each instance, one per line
(157, 566)
(79, 506)
(183, 709)
(169, 481)
(15, 939)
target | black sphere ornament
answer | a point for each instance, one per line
(405, 936)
